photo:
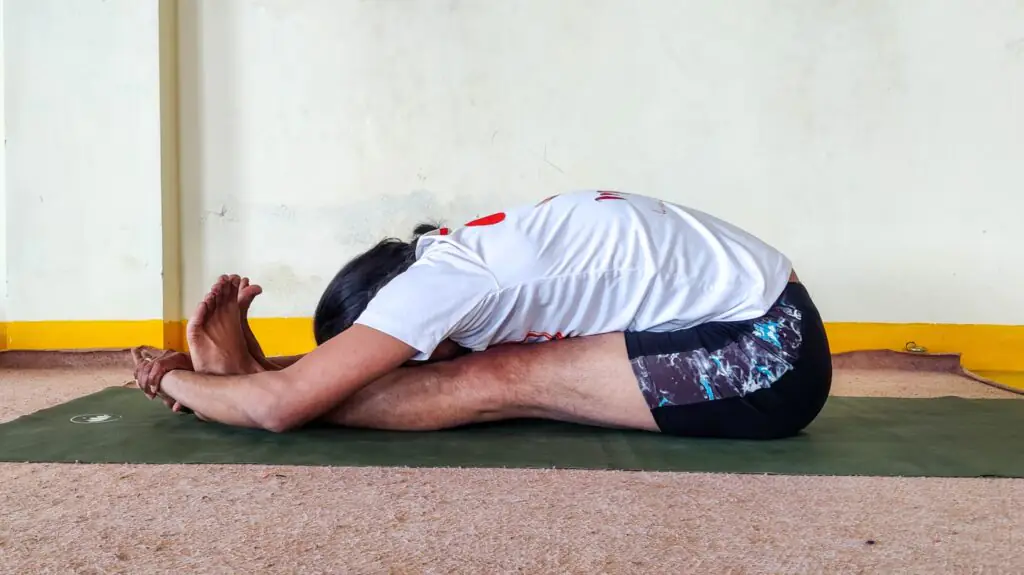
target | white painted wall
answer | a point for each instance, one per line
(880, 143)
(3, 190)
(82, 159)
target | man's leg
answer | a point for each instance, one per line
(246, 293)
(585, 380)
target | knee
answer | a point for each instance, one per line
(495, 365)
(494, 377)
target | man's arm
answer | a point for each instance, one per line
(289, 398)
(239, 400)
(283, 361)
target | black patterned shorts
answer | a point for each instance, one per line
(758, 379)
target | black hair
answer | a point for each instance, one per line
(359, 280)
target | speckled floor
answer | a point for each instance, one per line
(240, 519)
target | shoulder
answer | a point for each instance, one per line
(445, 262)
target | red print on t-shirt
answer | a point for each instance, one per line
(488, 220)
(539, 336)
(608, 196)
(484, 221)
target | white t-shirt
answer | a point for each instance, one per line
(577, 264)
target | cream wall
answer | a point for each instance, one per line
(82, 159)
(3, 188)
(880, 144)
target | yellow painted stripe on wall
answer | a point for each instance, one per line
(174, 335)
(284, 336)
(83, 334)
(983, 347)
(277, 335)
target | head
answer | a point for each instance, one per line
(354, 286)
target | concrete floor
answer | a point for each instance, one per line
(231, 519)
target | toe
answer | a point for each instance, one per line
(246, 293)
(219, 283)
(215, 290)
(230, 293)
(220, 290)
(202, 313)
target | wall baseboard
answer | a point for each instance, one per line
(982, 347)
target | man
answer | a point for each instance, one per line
(653, 317)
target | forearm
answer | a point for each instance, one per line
(294, 396)
(239, 400)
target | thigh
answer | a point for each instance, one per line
(585, 380)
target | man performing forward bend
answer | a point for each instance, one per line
(653, 316)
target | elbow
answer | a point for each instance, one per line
(275, 427)
(280, 409)
(276, 422)
(275, 416)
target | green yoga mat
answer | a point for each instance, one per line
(944, 437)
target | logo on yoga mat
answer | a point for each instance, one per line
(95, 418)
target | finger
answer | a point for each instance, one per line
(162, 369)
(152, 390)
(153, 377)
(145, 368)
(140, 366)
(157, 370)
(156, 376)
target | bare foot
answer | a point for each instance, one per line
(215, 339)
(246, 293)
